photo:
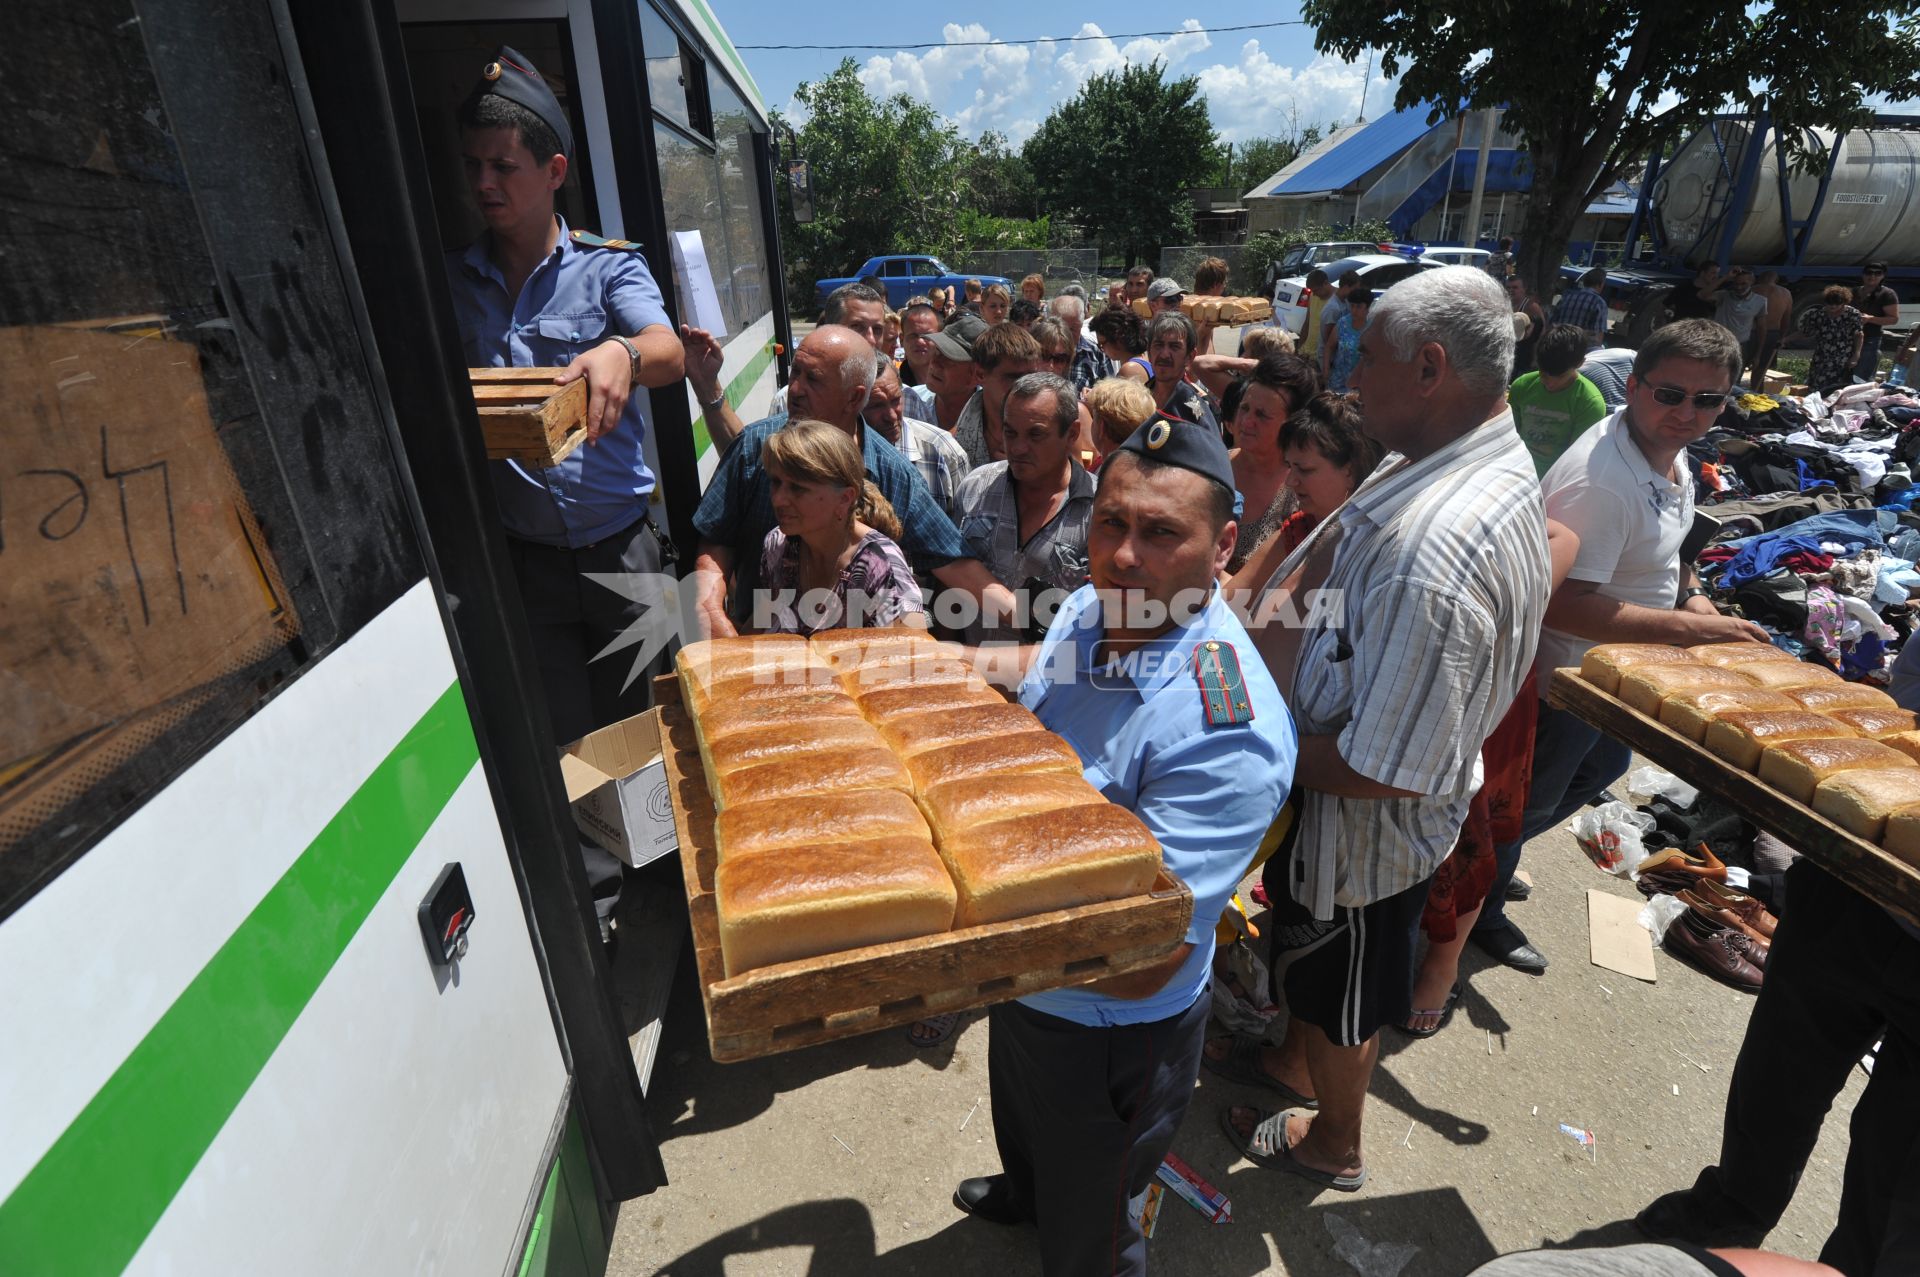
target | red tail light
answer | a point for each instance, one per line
(1303, 299)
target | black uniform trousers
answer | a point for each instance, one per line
(1841, 973)
(1083, 1117)
(573, 619)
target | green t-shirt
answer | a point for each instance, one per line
(1549, 420)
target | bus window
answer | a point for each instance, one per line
(676, 78)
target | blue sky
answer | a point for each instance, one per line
(1256, 82)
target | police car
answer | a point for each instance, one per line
(1376, 271)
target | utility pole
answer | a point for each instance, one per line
(1365, 78)
(1480, 177)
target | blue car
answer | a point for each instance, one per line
(905, 275)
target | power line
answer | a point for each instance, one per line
(1044, 39)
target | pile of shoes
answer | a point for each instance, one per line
(1724, 931)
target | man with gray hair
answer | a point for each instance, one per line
(860, 307)
(1170, 343)
(833, 372)
(1026, 517)
(1439, 563)
(1088, 364)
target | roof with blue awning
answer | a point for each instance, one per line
(1359, 155)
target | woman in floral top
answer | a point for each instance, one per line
(831, 561)
(1836, 328)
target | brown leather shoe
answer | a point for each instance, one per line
(1711, 909)
(1719, 951)
(1740, 902)
(1673, 860)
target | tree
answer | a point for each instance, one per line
(1257, 159)
(998, 181)
(1585, 84)
(1120, 156)
(885, 179)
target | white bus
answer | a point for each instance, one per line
(298, 970)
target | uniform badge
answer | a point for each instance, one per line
(587, 239)
(492, 71)
(1223, 691)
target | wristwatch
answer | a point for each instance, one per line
(633, 354)
(1692, 592)
(708, 405)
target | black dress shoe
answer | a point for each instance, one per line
(990, 1197)
(1508, 944)
(1518, 890)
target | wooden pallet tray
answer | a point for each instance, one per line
(526, 418)
(796, 1004)
(1873, 871)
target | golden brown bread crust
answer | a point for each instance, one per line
(827, 643)
(910, 734)
(1733, 655)
(1860, 801)
(880, 704)
(823, 735)
(723, 718)
(1739, 735)
(786, 905)
(959, 805)
(837, 771)
(819, 820)
(1902, 836)
(1907, 743)
(1645, 687)
(1689, 713)
(760, 685)
(904, 667)
(1782, 675)
(1049, 860)
(1877, 724)
(1000, 756)
(1605, 662)
(1797, 767)
(1828, 697)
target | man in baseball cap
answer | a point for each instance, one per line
(1164, 294)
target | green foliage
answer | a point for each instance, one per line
(1584, 83)
(1120, 156)
(976, 232)
(1257, 159)
(997, 179)
(1262, 250)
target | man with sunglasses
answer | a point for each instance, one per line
(1625, 488)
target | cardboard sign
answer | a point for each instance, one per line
(131, 569)
(616, 780)
(1616, 939)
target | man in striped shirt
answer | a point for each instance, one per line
(1439, 564)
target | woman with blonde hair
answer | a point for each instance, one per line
(995, 302)
(1034, 289)
(831, 560)
(1119, 408)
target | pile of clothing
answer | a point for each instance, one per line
(1817, 539)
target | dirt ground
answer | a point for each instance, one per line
(842, 1159)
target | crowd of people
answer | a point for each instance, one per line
(1124, 514)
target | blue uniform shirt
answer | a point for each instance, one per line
(736, 510)
(573, 301)
(1207, 793)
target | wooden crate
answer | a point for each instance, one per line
(526, 418)
(839, 995)
(1874, 872)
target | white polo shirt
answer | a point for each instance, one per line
(1630, 522)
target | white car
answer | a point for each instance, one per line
(1457, 257)
(1376, 271)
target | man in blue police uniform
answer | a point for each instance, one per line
(530, 294)
(1150, 677)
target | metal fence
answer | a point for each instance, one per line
(1057, 266)
(1181, 261)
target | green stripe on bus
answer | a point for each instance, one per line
(88, 1205)
(725, 45)
(736, 390)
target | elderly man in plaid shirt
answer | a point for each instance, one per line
(938, 457)
(1584, 307)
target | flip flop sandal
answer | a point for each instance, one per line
(1267, 1146)
(933, 1030)
(1241, 1064)
(1444, 1012)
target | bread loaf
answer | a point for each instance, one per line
(1739, 735)
(1604, 663)
(1824, 698)
(1001, 756)
(960, 805)
(851, 654)
(881, 703)
(1902, 837)
(1689, 713)
(1797, 767)
(1733, 655)
(830, 643)
(1860, 801)
(823, 736)
(803, 902)
(820, 821)
(904, 667)
(910, 734)
(1049, 860)
(1877, 724)
(1645, 687)
(723, 718)
(798, 775)
(760, 685)
(1907, 743)
(703, 663)
(1782, 676)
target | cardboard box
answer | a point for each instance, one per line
(1775, 383)
(616, 781)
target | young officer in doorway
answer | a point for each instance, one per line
(530, 294)
(1151, 678)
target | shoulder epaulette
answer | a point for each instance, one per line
(1223, 691)
(587, 239)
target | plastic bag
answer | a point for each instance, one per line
(1610, 834)
(1250, 1010)
(1647, 783)
(1658, 914)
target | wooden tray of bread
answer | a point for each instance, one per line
(526, 418)
(806, 930)
(1833, 768)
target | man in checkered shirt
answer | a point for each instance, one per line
(1584, 307)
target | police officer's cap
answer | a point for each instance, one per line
(510, 74)
(1174, 442)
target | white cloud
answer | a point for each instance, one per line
(1011, 88)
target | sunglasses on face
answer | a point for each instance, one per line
(1705, 400)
